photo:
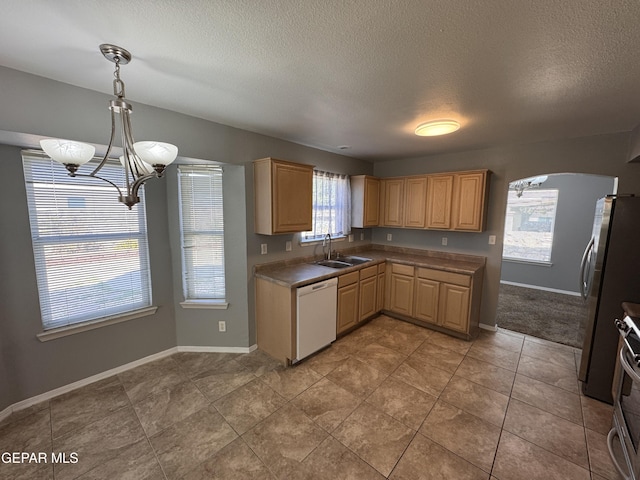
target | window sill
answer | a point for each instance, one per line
(528, 262)
(93, 324)
(211, 304)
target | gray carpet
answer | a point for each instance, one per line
(552, 316)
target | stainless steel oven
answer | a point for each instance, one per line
(626, 402)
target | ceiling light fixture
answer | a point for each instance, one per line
(141, 160)
(437, 127)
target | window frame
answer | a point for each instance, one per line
(45, 178)
(343, 209)
(215, 301)
(512, 195)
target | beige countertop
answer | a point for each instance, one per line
(301, 274)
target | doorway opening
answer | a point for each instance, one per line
(548, 223)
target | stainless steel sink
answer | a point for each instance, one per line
(343, 262)
(334, 263)
(353, 260)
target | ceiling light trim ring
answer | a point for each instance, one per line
(437, 127)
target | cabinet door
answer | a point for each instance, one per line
(371, 202)
(347, 307)
(439, 195)
(292, 197)
(427, 298)
(415, 202)
(367, 302)
(401, 294)
(393, 202)
(468, 201)
(454, 307)
(380, 293)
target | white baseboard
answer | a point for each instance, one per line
(218, 349)
(492, 328)
(537, 287)
(21, 405)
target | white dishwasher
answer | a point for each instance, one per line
(316, 316)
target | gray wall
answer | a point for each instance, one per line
(598, 155)
(34, 367)
(32, 106)
(577, 196)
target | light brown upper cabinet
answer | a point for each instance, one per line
(469, 200)
(415, 202)
(392, 202)
(439, 196)
(365, 201)
(283, 193)
(457, 201)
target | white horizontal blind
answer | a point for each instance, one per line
(202, 226)
(331, 205)
(91, 252)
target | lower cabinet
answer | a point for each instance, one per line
(401, 286)
(454, 307)
(360, 296)
(447, 300)
(442, 298)
(347, 301)
(380, 292)
(367, 292)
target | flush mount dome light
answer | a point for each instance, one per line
(437, 127)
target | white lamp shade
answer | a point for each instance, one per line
(156, 153)
(67, 151)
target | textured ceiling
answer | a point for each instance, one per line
(362, 73)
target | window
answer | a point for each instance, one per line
(528, 230)
(90, 252)
(202, 227)
(331, 206)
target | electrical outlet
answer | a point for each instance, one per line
(287, 246)
(492, 239)
(361, 235)
(389, 237)
(222, 326)
(444, 240)
(263, 249)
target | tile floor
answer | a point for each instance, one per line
(390, 400)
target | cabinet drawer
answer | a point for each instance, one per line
(368, 272)
(445, 277)
(382, 267)
(402, 269)
(348, 279)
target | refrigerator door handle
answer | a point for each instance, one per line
(586, 257)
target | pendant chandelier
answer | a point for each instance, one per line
(140, 160)
(526, 183)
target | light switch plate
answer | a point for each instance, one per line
(263, 249)
(288, 246)
(351, 238)
(389, 237)
(444, 240)
(492, 239)
(222, 326)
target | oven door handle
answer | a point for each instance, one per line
(614, 433)
(626, 365)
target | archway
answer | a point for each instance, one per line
(548, 222)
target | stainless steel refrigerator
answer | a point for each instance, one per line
(609, 275)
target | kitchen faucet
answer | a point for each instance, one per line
(324, 242)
